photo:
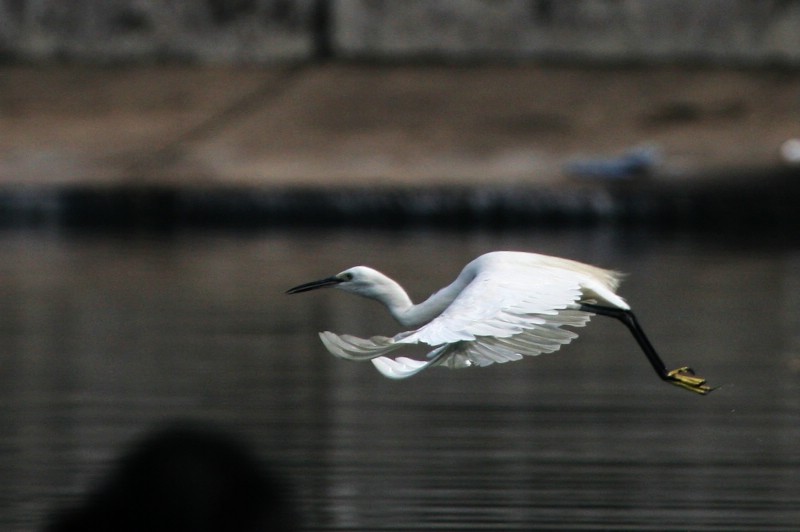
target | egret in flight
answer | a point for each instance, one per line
(502, 306)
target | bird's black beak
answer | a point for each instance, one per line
(313, 285)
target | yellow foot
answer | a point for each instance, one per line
(685, 378)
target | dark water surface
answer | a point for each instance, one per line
(104, 338)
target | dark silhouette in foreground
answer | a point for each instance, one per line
(184, 477)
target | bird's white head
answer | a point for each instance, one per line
(359, 280)
(365, 282)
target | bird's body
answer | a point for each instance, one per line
(502, 306)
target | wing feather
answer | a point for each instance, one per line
(359, 349)
(505, 301)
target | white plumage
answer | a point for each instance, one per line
(502, 306)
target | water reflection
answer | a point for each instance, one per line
(105, 337)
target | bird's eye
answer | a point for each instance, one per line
(347, 277)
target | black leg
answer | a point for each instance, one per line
(627, 317)
(683, 377)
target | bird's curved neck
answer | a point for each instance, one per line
(411, 315)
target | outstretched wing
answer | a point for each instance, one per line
(507, 311)
(504, 300)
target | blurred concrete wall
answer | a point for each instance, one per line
(265, 31)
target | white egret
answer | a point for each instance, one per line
(502, 306)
